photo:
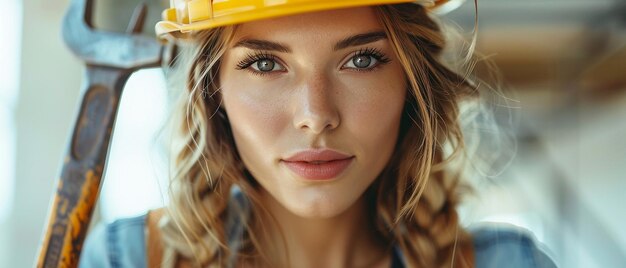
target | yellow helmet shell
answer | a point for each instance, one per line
(185, 16)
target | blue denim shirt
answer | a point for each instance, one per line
(122, 244)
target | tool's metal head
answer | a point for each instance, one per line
(102, 48)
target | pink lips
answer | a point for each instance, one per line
(321, 164)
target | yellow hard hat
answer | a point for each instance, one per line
(185, 16)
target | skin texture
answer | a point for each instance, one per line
(314, 97)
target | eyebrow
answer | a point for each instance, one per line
(355, 40)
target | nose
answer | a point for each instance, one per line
(316, 108)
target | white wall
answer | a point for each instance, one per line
(49, 83)
(9, 76)
(49, 88)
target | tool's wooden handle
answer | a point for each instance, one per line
(79, 184)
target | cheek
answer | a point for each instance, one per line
(374, 115)
(256, 119)
(378, 114)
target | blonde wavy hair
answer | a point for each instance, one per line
(416, 210)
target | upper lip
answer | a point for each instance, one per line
(315, 155)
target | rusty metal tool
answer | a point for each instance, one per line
(110, 58)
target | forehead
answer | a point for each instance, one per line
(330, 24)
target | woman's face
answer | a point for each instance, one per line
(314, 102)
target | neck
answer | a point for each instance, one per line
(345, 240)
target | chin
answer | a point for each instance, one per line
(315, 205)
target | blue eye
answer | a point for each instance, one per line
(266, 65)
(362, 62)
(261, 63)
(367, 59)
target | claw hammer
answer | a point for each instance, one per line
(110, 59)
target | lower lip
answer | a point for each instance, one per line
(319, 172)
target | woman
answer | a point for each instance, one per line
(315, 134)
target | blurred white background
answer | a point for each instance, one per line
(563, 60)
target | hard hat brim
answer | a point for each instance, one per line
(165, 28)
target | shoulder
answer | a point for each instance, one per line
(118, 244)
(503, 245)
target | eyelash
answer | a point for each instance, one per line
(254, 57)
(373, 52)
